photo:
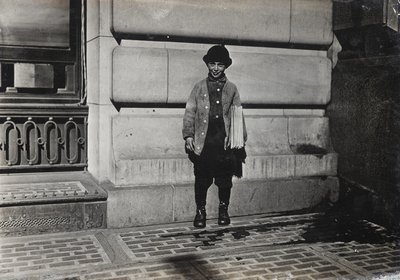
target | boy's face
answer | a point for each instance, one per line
(216, 69)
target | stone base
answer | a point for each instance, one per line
(134, 206)
(33, 219)
(50, 202)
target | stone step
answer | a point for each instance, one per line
(50, 202)
(156, 204)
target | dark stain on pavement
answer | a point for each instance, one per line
(210, 237)
(327, 227)
(240, 233)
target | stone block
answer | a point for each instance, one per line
(289, 166)
(139, 75)
(180, 170)
(105, 10)
(304, 112)
(258, 76)
(311, 22)
(92, 20)
(95, 215)
(134, 206)
(34, 219)
(184, 203)
(148, 149)
(99, 55)
(272, 166)
(100, 147)
(318, 112)
(234, 19)
(93, 70)
(263, 112)
(180, 80)
(185, 206)
(153, 171)
(278, 79)
(258, 196)
(147, 136)
(276, 144)
(316, 165)
(107, 45)
(297, 112)
(308, 134)
(266, 134)
(265, 196)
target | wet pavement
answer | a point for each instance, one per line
(291, 246)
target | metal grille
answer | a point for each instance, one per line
(40, 142)
(31, 223)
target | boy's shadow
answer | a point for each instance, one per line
(190, 266)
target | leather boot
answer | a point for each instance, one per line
(200, 219)
(223, 216)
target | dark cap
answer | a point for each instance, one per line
(218, 53)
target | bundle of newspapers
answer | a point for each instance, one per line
(236, 139)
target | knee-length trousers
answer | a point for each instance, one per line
(202, 184)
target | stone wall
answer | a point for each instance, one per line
(165, 73)
(138, 88)
(364, 116)
(277, 21)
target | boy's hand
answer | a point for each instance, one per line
(189, 144)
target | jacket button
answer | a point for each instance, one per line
(217, 101)
(205, 95)
(216, 116)
(206, 107)
(198, 148)
(205, 121)
(218, 89)
(202, 133)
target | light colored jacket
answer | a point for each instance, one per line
(195, 120)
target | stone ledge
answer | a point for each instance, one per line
(58, 217)
(51, 202)
(180, 170)
(260, 196)
(46, 188)
(144, 205)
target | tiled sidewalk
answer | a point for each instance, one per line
(304, 246)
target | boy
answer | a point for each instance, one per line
(206, 131)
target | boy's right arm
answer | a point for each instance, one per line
(189, 116)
